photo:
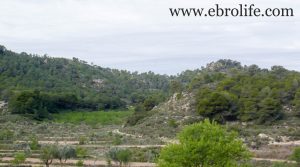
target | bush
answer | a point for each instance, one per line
(82, 140)
(172, 123)
(64, 153)
(19, 158)
(81, 152)
(204, 144)
(122, 156)
(117, 140)
(34, 143)
(296, 155)
(79, 163)
(48, 154)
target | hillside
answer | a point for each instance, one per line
(70, 100)
(231, 94)
(74, 83)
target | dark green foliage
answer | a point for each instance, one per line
(269, 110)
(72, 84)
(245, 93)
(220, 106)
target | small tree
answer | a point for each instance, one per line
(204, 145)
(121, 156)
(48, 154)
(64, 153)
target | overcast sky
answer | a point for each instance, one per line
(140, 35)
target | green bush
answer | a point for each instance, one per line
(82, 140)
(296, 155)
(79, 163)
(122, 156)
(204, 144)
(81, 152)
(34, 143)
(19, 158)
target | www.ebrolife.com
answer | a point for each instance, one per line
(242, 10)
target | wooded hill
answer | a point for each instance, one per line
(34, 83)
(224, 90)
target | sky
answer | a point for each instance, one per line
(141, 35)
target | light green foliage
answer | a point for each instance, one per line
(79, 163)
(204, 144)
(19, 158)
(93, 118)
(34, 143)
(81, 152)
(296, 155)
(122, 156)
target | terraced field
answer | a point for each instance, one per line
(93, 142)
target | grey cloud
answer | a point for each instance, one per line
(140, 34)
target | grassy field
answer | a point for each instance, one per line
(93, 118)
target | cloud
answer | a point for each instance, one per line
(141, 35)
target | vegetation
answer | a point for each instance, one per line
(122, 156)
(19, 158)
(296, 155)
(48, 154)
(93, 118)
(39, 85)
(64, 153)
(204, 144)
(227, 91)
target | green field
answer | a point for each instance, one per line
(93, 118)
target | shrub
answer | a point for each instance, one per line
(117, 140)
(19, 158)
(48, 154)
(204, 144)
(121, 156)
(296, 155)
(81, 152)
(34, 143)
(82, 140)
(64, 153)
(172, 123)
(79, 163)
